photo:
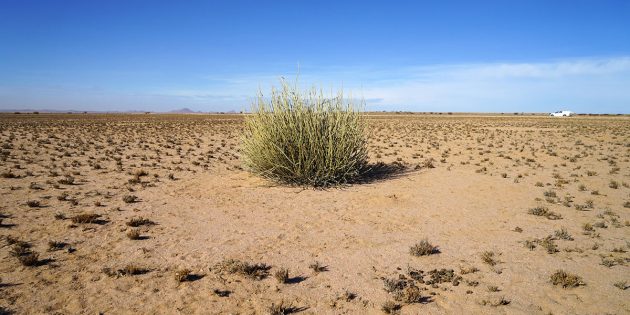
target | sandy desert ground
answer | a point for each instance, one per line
(153, 214)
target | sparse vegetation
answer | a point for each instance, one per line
(139, 221)
(545, 212)
(423, 248)
(390, 307)
(188, 171)
(182, 275)
(282, 275)
(317, 267)
(565, 279)
(85, 218)
(489, 257)
(253, 271)
(133, 234)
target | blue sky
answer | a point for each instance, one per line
(480, 56)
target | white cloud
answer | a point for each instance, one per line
(582, 85)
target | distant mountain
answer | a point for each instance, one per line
(184, 111)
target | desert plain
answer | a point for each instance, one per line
(154, 214)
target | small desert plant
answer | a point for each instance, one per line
(68, 180)
(133, 234)
(565, 279)
(130, 199)
(587, 227)
(422, 248)
(282, 275)
(495, 302)
(488, 257)
(318, 267)
(622, 285)
(548, 244)
(85, 218)
(281, 308)
(305, 139)
(56, 245)
(410, 294)
(136, 222)
(563, 234)
(33, 203)
(22, 251)
(530, 244)
(393, 284)
(8, 174)
(348, 296)
(253, 271)
(391, 307)
(545, 212)
(182, 275)
(128, 270)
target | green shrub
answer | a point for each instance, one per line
(305, 138)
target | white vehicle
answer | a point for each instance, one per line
(562, 113)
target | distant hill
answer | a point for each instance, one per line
(184, 111)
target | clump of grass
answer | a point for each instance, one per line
(33, 203)
(563, 234)
(182, 275)
(496, 302)
(282, 275)
(548, 244)
(622, 285)
(85, 218)
(489, 258)
(281, 308)
(133, 234)
(318, 267)
(393, 285)
(56, 245)
(8, 174)
(68, 180)
(467, 270)
(423, 248)
(130, 199)
(136, 222)
(348, 296)
(566, 280)
(587, 227)
(128, 270)
(545, 212)
(22, 251)
(132, 270)
(391, 307)
(253, 271)
(531, 245)
(307, 139)
(410, 294)
(29, 259)
(609, 262)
